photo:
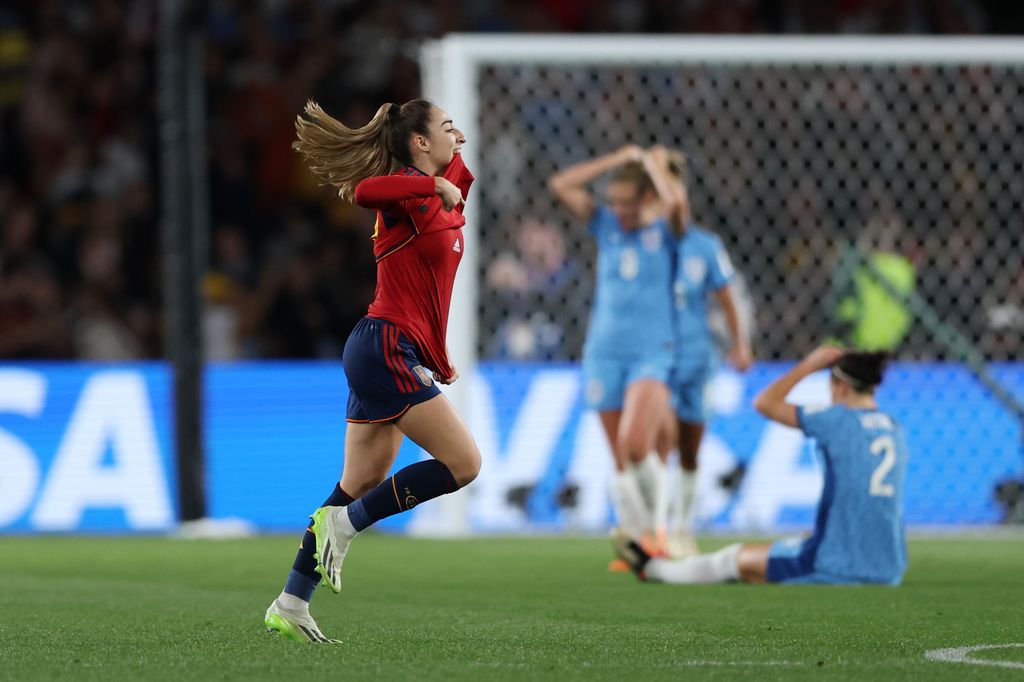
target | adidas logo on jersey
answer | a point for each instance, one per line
(458, 247)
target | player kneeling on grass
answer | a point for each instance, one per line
(858, 533)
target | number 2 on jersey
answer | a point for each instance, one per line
(883, 445)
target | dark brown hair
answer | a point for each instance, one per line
(862, 370)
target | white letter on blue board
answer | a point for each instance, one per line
(114, 412)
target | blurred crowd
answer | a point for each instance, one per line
(291, 268)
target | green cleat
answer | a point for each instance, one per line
(294, 625)
(332, 541)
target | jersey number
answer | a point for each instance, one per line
(884, 446)
(629, 264)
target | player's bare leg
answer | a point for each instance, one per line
(753, 562)
(627, 500)
(654, 479)
(646, 402)
(437, 427)
(682, 542)
(370, 451)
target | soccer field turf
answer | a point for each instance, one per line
(152, 608)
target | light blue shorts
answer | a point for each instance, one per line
(606, 379)
(689, 383)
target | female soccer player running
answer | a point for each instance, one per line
(702, 268)
(858, 534)
(627, 355)
(418, 244)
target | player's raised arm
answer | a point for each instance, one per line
(740, 354)
(671, 192)
(771, 402)
(570, 184)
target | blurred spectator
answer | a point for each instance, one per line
(542, 291)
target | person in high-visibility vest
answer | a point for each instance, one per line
(870, 317)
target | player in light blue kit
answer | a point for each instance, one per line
(628, 353)
(858, 533)
(702, 269)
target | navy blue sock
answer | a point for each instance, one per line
(410, 486)
(303, 578)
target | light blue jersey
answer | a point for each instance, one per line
(858, 534)
(632, 314)
(630, 331)
(702, 267)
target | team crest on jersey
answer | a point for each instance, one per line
(651, 239)
(696, 269)
(423, 376)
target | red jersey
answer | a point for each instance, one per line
(418, 246)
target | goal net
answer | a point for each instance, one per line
(849, 179)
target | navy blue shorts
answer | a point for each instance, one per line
(385, 374)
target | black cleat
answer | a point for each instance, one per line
(630, 551)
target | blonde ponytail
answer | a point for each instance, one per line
(343, 156)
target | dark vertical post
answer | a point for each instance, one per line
(182, 302)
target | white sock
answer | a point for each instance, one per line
(654, 475)
(687, 486)
(718, 567)
(292, 603)
(630, 511)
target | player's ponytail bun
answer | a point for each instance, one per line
(344, 157)
(862, 370)
(677, 165)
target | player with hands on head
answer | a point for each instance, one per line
(627, 356)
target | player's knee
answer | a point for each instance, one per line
(466, 467)
(633, 446)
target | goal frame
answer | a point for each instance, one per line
(450, 69)
(450, 72)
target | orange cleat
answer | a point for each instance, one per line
(656, 544)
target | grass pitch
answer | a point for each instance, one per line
(152, 608)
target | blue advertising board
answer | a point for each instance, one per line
(87, 447)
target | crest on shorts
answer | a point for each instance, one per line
(422, 374)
